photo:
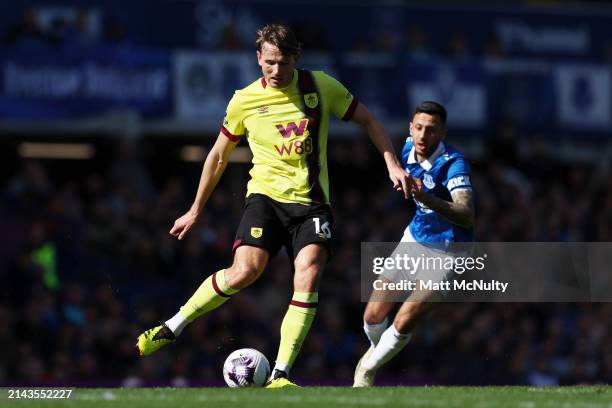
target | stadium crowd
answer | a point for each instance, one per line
(87, 264)
(79, 28)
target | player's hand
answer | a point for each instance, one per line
(401, 180)
(417, 188)
(183, 224)
(416, 185)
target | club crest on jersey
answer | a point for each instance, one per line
(256, 232)
(428, 181)
(311, 100)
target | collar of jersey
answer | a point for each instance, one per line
(427, 164)
(268, 88)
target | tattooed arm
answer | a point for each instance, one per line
(459, 211)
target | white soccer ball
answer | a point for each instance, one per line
(246, 367)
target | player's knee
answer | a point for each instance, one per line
(373, 315)
(307, 263)
(242, 274)
(307, 275)
(408, 315)
(404, 323)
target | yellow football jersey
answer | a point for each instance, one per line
(276, 128)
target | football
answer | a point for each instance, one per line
(246, 367)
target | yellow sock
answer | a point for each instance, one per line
(211, 294)
(295, 327)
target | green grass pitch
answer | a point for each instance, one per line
(337, 397)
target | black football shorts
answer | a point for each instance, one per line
(270, 224)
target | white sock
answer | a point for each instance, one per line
(374, 331)
(281, 366)
(177, 323)
(391, 342)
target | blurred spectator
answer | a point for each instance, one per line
(311, 34)
(81, 33)
(59, 31)
(359, 46)
(30, 186)
(27, 32)
(541, 374)
(115, 31)
(492, 47)
(230, 39)
(417, 44)
(72, 27)
(386, 41)
(458, 49)
(503, 145)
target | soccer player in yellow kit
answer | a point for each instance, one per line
(284, 115)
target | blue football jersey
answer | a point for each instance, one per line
(444, 171)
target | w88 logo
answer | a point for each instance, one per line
(295, 147)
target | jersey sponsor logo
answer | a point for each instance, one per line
(428, 181)
(256, 232)
(263, 109)
(291, 128)
(459, 181)
(311, 100)
(298, 147)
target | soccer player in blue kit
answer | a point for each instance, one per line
(444, 214)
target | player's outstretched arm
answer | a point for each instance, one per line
(213, 169)
(460, 211)
(399, 177)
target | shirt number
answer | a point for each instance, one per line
(322, 229)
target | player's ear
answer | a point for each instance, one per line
(258, 57)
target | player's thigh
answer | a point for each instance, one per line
(250, 257)
(315, 226)
(308, 266)
(248, 264)
(260, 226)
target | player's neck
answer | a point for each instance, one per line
(420, 158)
